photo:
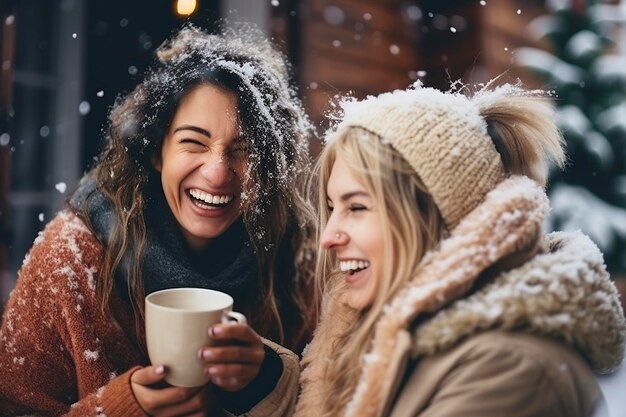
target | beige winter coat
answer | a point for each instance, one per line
(524, 344)
(510, 374)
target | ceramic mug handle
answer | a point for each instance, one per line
(234, 316)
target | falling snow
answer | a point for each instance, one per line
(61, 187)
(84, 107)
(334, 15)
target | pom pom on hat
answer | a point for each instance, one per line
(443, 137)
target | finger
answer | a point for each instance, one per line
(149, 375)
(232, 354)
(240, 332)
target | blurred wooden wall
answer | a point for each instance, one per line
(475, 41)
(366, 47)
(504, 30)
(356, 47)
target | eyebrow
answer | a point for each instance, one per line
(347, 196)
(193, 129)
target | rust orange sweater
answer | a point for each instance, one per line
(59, 353)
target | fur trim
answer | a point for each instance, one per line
(565, 293)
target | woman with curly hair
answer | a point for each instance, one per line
(197, 186)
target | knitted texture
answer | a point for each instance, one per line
(442, 136)
(59, 353)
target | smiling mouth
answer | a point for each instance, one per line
(207, 201)
(353, 266)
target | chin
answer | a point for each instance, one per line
(358, 301)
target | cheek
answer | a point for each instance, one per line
(172, 174)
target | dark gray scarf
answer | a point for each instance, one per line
(227, 265)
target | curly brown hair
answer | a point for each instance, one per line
(277, 131)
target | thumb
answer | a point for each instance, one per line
(148, 375)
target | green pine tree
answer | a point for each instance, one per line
(583, 67)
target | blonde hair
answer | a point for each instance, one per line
(404, 204)
(527, 141)
(521, 124)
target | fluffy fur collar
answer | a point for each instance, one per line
(510, 218)
(565, 293)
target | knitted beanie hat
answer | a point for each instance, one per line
(443, 137)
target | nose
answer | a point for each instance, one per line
(332, 237)
(216, 170)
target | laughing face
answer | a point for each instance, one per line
(202, 162)
(355, 233)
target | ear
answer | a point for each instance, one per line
(156, 161)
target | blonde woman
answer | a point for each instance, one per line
(441, 295)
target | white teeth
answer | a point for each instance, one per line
(352, 265)
(210, 198)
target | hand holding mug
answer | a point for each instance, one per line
(236, 357)
(169, 401)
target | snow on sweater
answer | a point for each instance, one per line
(60, 354)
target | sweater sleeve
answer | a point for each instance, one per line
(60, 355)
(280, 402)
(40, 376)
(112, 400)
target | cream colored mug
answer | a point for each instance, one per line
(177, 326)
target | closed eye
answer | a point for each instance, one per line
(357, 207)
(191, 142)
